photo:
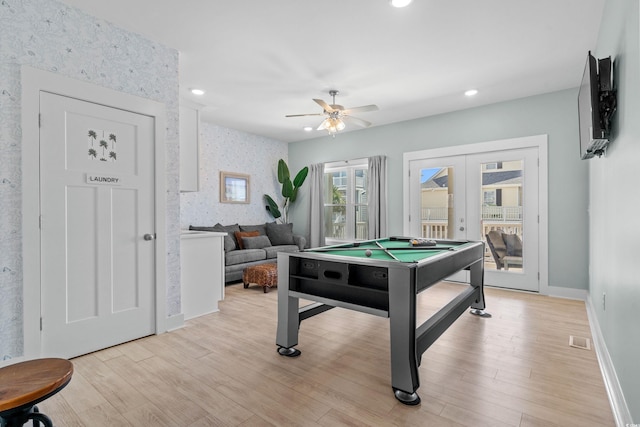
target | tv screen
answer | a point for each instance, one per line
(596, 104)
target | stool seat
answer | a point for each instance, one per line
(24, 384)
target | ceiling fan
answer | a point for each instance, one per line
(337, 115)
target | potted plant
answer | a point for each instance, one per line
(289, 191)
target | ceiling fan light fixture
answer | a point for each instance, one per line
(400, 3)
(332, 125)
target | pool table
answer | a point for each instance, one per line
(381, 277)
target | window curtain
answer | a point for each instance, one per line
(377, 197)
(316, 208)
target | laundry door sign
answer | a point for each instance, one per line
(104, 179)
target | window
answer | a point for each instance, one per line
(345, 208)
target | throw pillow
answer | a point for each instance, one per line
(229, 239)
(280, 234)
(260, 227)
(240, 234)
(257, 242)
(513, 243)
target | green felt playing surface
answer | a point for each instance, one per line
(404, 252)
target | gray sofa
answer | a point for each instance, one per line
(246, 245)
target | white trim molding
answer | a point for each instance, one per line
(619, 406)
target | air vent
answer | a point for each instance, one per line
(580, 342)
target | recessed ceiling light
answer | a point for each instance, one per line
(307, 128)
(400, 3)
(471, 92)
(197, 91)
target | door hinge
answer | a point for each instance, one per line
(39, 120)
(409, 218)
(40, 222)
(40, 323)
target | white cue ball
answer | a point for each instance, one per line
(367, 252)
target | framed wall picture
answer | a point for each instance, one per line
(234, 187)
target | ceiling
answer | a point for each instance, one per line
(260, 60)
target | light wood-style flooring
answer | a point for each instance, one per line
(222, 369)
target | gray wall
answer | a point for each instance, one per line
(615, 202)
(553, 114)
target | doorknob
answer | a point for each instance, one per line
(149, 236)
(461, 228)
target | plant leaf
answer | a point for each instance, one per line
(294, 195)
(287, 188)
(300, 177)
(283, 171)
(272, 207)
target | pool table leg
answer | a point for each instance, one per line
(476, 279)
(288, 318)
(402, 328)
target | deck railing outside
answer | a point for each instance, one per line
(507, 219)
(489, 213)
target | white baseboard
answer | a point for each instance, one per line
(569, 293)
(174, 322)
(616, 396)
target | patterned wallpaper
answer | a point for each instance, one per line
(223, 149)
(51, 36)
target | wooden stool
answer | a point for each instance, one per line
(265, 275)
(26, 383)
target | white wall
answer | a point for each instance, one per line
(229, 150)
(614, 203)
(51, 36)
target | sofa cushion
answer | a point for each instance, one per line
(229, 240)
(280, 234)
(240, 234)
(256, 242)
(272, 251)
(262, 228)
(241, 256)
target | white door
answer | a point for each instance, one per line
(465, 196)
(502, 195)
(97, 205)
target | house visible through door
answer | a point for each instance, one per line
(97, 226)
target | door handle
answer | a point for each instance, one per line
(461, 228)
(149, 236)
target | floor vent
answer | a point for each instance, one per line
(580, 342)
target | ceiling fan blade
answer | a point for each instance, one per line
(301, 115)
(356, 121)
(324, 105)
(362, 109)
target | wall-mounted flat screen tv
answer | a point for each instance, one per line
(596, 105)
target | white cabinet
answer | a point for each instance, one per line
(189, 142)
(201, 272)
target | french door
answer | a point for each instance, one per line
(468, 196)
